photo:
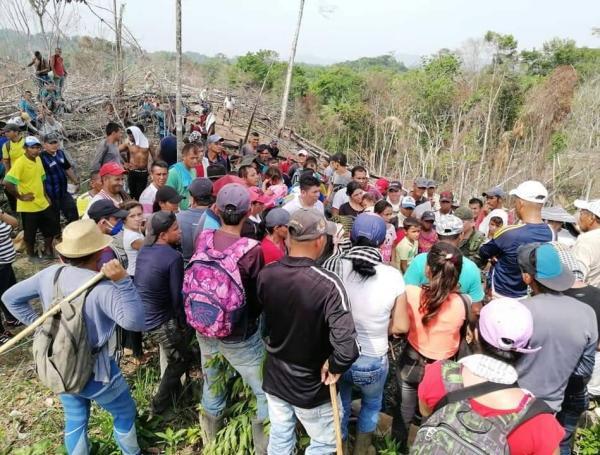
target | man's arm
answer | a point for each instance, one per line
(489, 250)
(175, 285)
(17, 299)
(585, 367)
(123, 303)
(342, 333)
(12, 189)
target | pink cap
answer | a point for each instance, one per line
(257, 195)
(507, 324)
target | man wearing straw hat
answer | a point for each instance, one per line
(107, 304)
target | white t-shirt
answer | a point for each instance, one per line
(371, 302)
(587, 252)
(147, 199)
(295, 204)
(395, 207)
(340, 198)
(129, 237)
(99, 197)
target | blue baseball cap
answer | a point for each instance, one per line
(541, 260)
(370, 226)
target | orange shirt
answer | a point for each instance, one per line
(439, 339)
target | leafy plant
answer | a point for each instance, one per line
(588, 441)
(172, 439)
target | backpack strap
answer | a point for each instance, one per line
(472, 391)
(57, 294)
(467, 303)
(536, 408)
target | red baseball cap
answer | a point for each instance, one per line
(225, 180)
(446, 196)
(382, 185)
(112, 168)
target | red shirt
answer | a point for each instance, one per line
(427, 240)
(271, 251)
(400, 234)
(58, 67)
(538, 436)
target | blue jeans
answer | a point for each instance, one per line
(575, 403)
(318, 423)
(246, 357)
(369, 375)
(116, 399)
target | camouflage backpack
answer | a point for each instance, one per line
(454, 428)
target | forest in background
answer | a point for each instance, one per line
(487, 113)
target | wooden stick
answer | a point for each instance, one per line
(336, 419)
(51, 312)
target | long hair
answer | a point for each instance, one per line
(364, 269)
(445, 264)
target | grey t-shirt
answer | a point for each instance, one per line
(567, 331)
(105, 153)
(188, 221)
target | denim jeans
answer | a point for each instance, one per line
(246, 357)
(174, 343)
(575, 403)
(369, 375)
(115, 398)
(318, 423)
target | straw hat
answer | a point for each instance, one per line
(81, 238)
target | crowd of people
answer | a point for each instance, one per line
(302, 272)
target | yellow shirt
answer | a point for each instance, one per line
(28, 176)
(83, 202)
(17, 150)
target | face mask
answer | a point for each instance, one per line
(116, 228)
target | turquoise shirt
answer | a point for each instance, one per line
(469, 280)
(180, 178)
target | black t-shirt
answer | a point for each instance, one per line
(589, 295)
(347, 210)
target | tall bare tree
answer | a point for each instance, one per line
(290, 69)
(178, 119)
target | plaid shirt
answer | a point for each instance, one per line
(56, 176)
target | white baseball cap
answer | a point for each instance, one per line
(590, 206)
(531, 191)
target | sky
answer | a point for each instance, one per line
(337, 30)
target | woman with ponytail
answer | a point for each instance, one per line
(378, 305)
(436, 314)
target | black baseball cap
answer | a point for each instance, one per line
(200, 187)
(168, 194)
(105, 208)
(428, 216)
(215, 171)
(160, 222)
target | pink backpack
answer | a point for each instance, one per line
(213, 292)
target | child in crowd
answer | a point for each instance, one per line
(408, 247)
(496, 223)
(384, 210)
(368, 201)
(133, 239)
(427, 237)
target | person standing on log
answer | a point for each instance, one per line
(109, 150)
(139, 153)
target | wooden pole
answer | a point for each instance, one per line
(178, 119)
(51, 312)
(336, 419)
(290, 68)
(257, 102)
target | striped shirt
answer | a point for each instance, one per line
(7, 249)
(56, 177)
